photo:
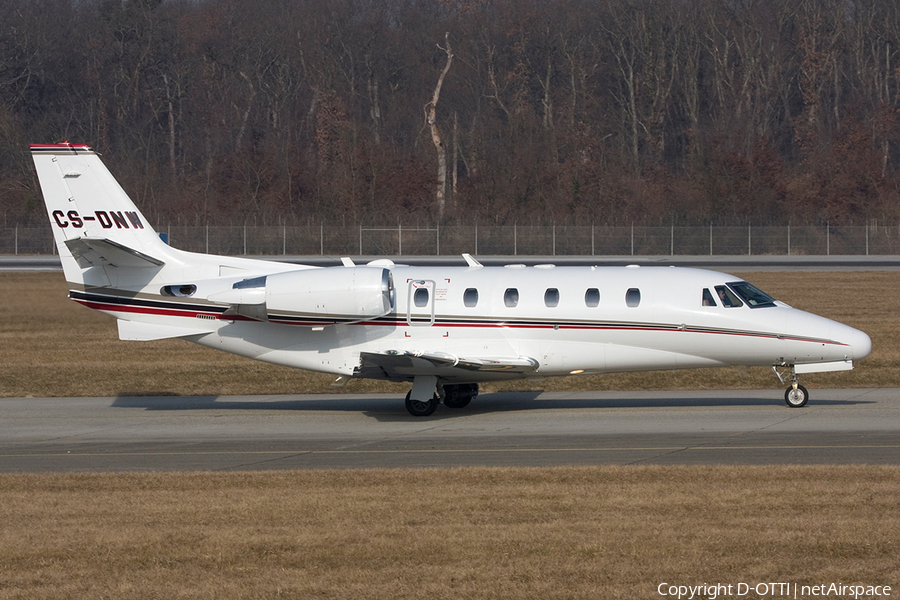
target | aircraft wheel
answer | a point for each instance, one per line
(459, 396)
(417, 408)
(796, 398)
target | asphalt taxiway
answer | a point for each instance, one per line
(168, 433)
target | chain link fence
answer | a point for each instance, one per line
(512, 240)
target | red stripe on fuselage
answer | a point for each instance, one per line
(187, 313)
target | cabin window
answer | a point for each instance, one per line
(592, 298)
(708, 299)
(633, 297)
(470, 297)
(551, 297)
(752, 295)
(420, 298)
(181, 291)
(727, 297)
(511, 297)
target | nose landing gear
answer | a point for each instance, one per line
(795, 396)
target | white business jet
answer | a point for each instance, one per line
(444, 329)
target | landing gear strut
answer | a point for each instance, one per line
(795, 396)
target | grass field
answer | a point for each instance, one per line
(50, 346)
(574, 533)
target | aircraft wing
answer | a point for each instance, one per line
(400, 365)
(99, 252)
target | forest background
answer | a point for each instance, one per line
(437, 111)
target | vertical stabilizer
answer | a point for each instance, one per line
(95, 223)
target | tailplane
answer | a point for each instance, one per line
(95, 223)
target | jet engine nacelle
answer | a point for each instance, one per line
(338, 294)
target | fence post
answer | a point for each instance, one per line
(749, 241)
(554, 239)
(399, 239)
(867, 238)
(207, 238)
(515, 239)
(592, 238)
(789, 239)
(437, 238)
(632, 238)
(672, 241)
(17, 240)
(322, 238)
(284, 240)
(828, 239)
(710, 239)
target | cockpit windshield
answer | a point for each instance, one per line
(752, 295)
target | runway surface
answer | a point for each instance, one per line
(852, 426)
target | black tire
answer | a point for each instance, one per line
(796, 398)
(459, 396)
(417, 408)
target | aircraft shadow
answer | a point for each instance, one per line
(388, 408)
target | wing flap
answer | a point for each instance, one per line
(400, 365)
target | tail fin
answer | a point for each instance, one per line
(95, 223)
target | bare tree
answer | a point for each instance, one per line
(431, 121)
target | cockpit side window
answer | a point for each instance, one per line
(727, 297)
(752, 295)
(708, 299)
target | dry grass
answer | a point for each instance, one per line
(593, 532)
(51, 347)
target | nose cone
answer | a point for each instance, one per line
(845, 342)
(860, 343)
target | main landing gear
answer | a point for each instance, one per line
(459, 395)
(796, 396)
(419, 408)
(419, 404)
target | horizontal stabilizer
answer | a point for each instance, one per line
(148, 332)
(400, 365)
(98, 252)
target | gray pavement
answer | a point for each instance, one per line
(853, 426)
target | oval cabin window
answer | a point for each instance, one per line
(420, 298)
(592, 298)
(633, 297)
(551, 297)
(470, 297)
(511, 297)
